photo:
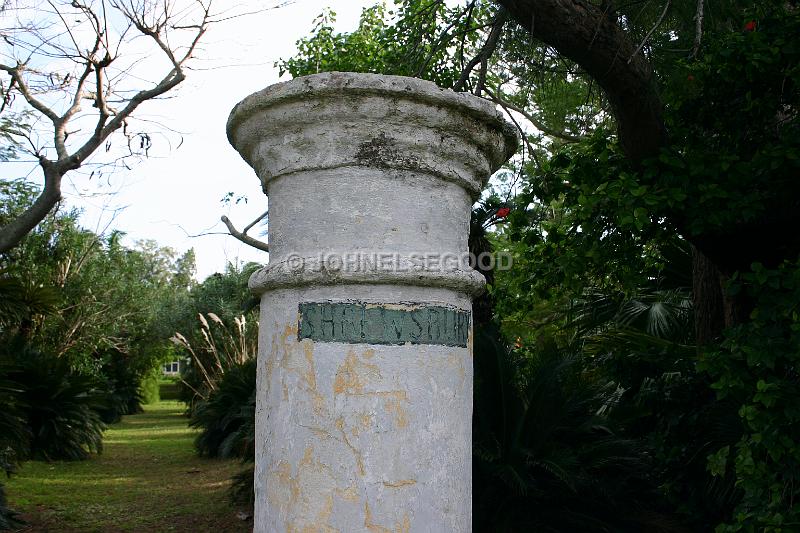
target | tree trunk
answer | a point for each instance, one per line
(12, 233)
(707, 299)
(714, 308)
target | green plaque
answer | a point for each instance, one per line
(366, 323)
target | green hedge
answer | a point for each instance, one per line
(150, 389)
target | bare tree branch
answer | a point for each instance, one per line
(22, 87)
(261, 217)
(698, 30)
(242, 235)
(652, 30)
(84, 43)
(483, 56)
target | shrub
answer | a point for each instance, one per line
(756, 368)
(227, 416)
(61, 408)
(242, 491)
(546, 457)
(150, 389)
(220, 389)
(122, 385)
(14, 432)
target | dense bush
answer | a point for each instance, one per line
(227, 332)
(226, 417)
(218, 345)
(755, 369)
(150, 389)
(14, 432)
(123, 387)
(547, 456)
(61, 408)
(74, 344)
(242, 491)
(219, 383)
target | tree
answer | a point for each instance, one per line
(78, 286)
(58, 58)
(602, 39)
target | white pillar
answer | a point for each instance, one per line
(365, 355)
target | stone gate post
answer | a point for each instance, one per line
(365, 350)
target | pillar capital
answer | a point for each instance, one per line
(337, 119)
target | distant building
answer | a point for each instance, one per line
(173, 368)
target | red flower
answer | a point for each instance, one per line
(750, 26)
(503, 212)
(690, 77)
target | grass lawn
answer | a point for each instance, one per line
(148, 478)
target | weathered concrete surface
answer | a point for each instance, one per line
(354, 436)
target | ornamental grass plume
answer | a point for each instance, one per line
(222, 348)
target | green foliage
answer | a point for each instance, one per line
(228, 333)
(756, 367)
(224, 294)
(65, 297)
(87, 281)
(633, 325)
(405, 41)
(169, 389)
(589, 220)
(61, 408)
(13, 127)
(122, 385)
(219, 384)
(733, 115)
(150, 389)
(601, 290)
(242, 491)
(547, 455)
(226, 417)
(220, 388)
(21, 301)
(14, 433)
(221, 350)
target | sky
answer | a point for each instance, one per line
(175, 196)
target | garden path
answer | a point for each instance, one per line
(148, 479)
